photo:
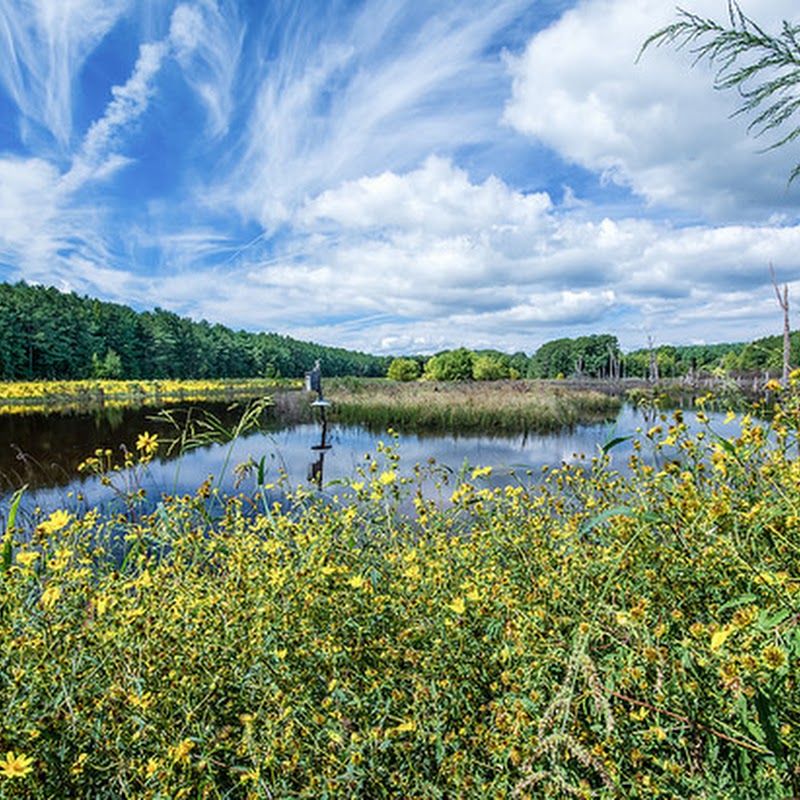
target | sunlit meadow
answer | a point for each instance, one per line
(589, 633)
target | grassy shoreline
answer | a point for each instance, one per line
(595, 635)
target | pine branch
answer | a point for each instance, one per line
(763, 69)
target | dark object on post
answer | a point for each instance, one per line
(314, 383)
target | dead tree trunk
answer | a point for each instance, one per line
(653, 376)
(783, 302)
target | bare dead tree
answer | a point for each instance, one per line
(654, 376)
(783, 302)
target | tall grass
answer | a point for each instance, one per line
(496, 407)
(595, 635)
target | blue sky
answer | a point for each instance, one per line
(393, 176)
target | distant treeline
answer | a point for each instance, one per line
(760, 356)
(46, 334)
(599, 356)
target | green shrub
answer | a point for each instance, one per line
(403, 369)
(453, 365)
(487, 368)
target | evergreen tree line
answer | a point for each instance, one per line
(46, 334)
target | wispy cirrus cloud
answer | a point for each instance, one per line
(98, 156)
(370, 89)
(43, 46)
(207, 40)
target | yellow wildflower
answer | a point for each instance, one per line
(147, 443)
(335, 736)
(773, 657)
(458, 605)
(55, 522)
(27, 558)
(718, 638)
(16, 766)
(180, 753)
(50, 596)
(78, 765)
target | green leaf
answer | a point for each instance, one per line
(768, 720)
(776, 619)
(616, 511)
(8, 539)
(738, 601)
(611, 443)
(262, 472)
(726, 444)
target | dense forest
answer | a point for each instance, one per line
(47, 334)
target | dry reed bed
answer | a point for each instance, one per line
(496, 407)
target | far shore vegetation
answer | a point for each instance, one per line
(44, 396)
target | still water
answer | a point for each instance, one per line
(42, 453)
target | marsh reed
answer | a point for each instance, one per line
(501, 407)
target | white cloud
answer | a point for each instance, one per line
(382, 90)
(428, 251)
(97, 157)
(43, 46)
(207, 41)
(656, 126)
(28, 206)
(437, 198)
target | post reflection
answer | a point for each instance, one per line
(317, 467)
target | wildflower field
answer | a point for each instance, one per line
(590, 633)
(25, 397)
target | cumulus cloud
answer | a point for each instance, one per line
(438, 197)
(428, 250)
(381, 87)
(656, 126)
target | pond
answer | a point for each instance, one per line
(42, 452)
